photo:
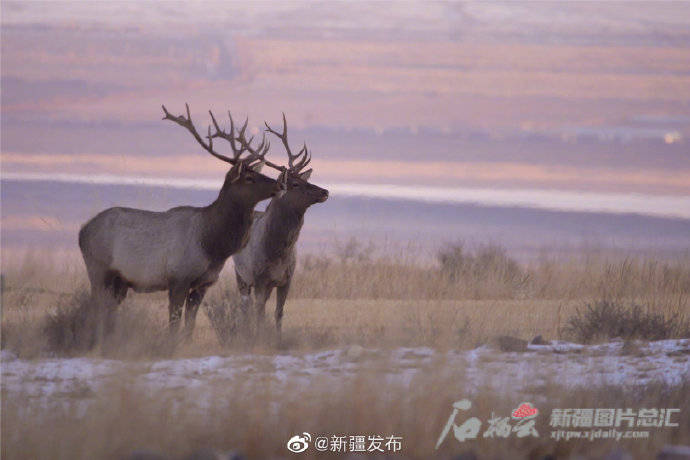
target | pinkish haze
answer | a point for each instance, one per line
(574, 96)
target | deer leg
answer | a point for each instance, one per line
(176, 297)
(96, 279)
(261, 295)
(102, 306)
(107, 291)
(116, 289)
(101, 298)
(119, 289)
(245, 298)
(281, 296)
(194, 299)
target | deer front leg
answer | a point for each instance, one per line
(194, 299)
(245, 299)
(281, 296)
(176, 297)
(261, 295)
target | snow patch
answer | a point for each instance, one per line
(75, 382)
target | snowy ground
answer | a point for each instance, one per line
(74, 383)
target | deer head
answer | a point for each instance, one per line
(300, 193)
(244, 180)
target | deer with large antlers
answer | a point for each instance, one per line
(268, 261)
(183, 249)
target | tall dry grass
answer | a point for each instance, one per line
(349, 297)
(488, 272)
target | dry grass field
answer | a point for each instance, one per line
(347, 298)
(462, 300)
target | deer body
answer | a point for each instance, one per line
(151, 248)
(268, 261)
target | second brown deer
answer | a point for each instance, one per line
(268, 261)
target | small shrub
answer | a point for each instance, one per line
(74, 326)
(77, 326)
(607, 319)
(487, 262)
(453, 261)
(353, 251)
(315, 263)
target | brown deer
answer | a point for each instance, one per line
(268, 261)
(183, 249)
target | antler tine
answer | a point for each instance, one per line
(232, 123)
(282, 136)
(259, 153)
(306, 158)
(263, 149)
(263, 142)
(255, 153)
(228, 137)
(243, 128)
(189, 125)
(232, 126)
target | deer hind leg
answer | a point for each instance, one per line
(100, 280)
(176, 297)
(116, 291)
(103, 297)
(194, 299)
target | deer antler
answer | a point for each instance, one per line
(303, 157)
(256, 155)
(228, 137)
(187, 123)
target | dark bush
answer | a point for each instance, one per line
(607, 319)
(74, 326)
(353, 250)
(486, 263)
(78, 326)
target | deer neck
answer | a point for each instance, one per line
(226, 224)
(284, 222)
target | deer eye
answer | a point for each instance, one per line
(250, 179)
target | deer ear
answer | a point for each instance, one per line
(305, 175)
(257, 167)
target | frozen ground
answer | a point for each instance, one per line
(75, 383)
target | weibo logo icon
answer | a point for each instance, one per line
(299, 443)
